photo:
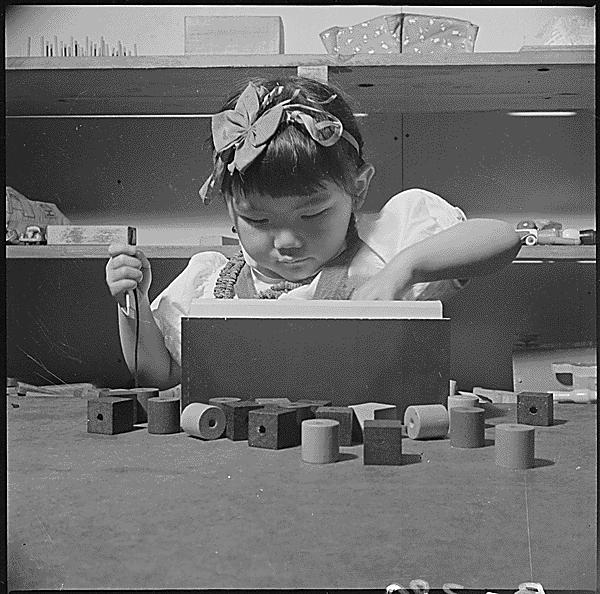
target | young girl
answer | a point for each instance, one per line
(289, 165)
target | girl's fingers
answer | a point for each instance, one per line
(114, 249)
(121, 286)
(124, 273)
(142, 258)
(123, 260)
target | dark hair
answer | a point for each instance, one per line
(293, 163)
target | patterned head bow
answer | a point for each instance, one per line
(239, 136)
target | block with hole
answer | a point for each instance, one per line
(205, 421)
(272, 428)
(110, 415)
(535, 408)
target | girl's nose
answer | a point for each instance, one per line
(286, 239)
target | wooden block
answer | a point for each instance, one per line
(303, 412)
(236, 418)
(345, 416)
(233, 35)
(75, 390)
(535, 408)
(224, 400)
(164, 415)
(206, 421)
(467, 427)
(315, 404)
(383, 442)
(142, 396)
(110, 415)
(373, 410)
(320, 441)
(515, 446)
(272, 401)
(318, 73)
(272, 428)
(94, 393)
(90, 234)
(126, 393)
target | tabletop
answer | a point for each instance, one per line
(138, 510)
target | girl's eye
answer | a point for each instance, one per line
(254, 221)
(315, 215)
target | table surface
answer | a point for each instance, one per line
(138, 510)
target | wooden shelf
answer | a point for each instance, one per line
(101, 251)
(550, 253)
(196, 85)
(546, 253)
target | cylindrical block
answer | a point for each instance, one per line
(320, 441)
(460, 400)
(164, 415)
(426, 421)
(143, 395)
(515, 445)
(467, 427)
(203, 420)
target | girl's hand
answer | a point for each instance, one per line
(384, 286)
(127, 269)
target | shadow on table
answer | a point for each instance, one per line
(411, 459)
(541, 462)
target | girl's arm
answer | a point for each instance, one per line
(156, 367)
(473, 248)
(129, 269)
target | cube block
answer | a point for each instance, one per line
(272, 428)
(303, 412)
(535, 408)
(346, 418)
(110, 415)
(382, 442)
(236, 418)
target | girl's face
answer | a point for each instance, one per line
(292, 237)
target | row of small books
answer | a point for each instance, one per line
(73, 48)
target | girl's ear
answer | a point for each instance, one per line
(362, 181)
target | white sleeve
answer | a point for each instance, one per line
(406, 219)
(174, 302)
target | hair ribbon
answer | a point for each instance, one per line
(239, 136)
